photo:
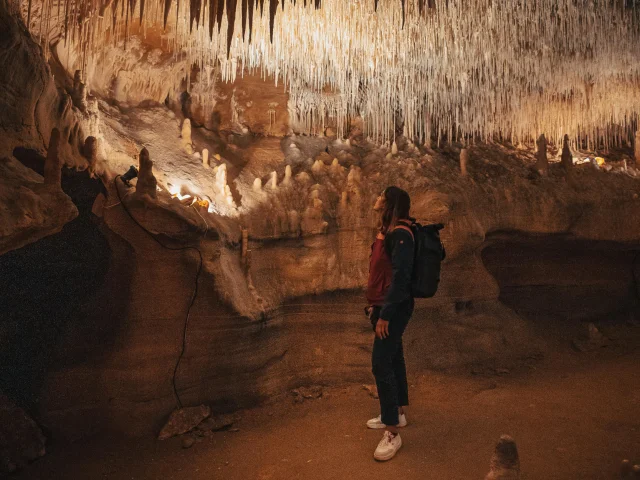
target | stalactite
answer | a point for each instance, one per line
(244, 17)
(167, 7)
(220, 14)
(273, 8)
(231, 19)
(515, 74)
(251, 9)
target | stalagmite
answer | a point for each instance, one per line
(318, 166)
(52, 164)
(464, 161)
(637, 148)
(294, 222)
(205, 158)
(273, 181)
(625, 468)
(566, 158)
(287, 175)
(221, 178)
(257, 185)
(79, 94)
(245, 243)
(90, 152)
(186, 136)
(505, 463)
(542, 163)
(394, 148)
(313, 222)
(147, 183)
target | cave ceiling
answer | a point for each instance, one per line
(458, 69)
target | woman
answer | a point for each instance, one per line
(390, 308)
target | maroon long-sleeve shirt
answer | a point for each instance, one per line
(380, 272)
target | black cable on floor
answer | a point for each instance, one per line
(193, 297)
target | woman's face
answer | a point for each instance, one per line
(379, 205)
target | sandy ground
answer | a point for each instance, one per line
(575, 416)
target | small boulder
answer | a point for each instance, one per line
(184, 420)
(216, 423)
(372, 389)
(505, 462)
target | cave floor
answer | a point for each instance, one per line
(573, 416)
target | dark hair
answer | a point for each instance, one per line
(397, 204)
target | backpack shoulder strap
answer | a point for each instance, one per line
(405, 227)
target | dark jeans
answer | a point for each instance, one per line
(388, 365)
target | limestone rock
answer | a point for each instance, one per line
(79, 94)
(29, 210)
(566, 157)
(186, 136)
(313, 222)
(90, 152)
(310, 392)
(505, 463)
(593, 341)
(372, 389)
(184, 420)
(542, 163)
(21, 441)
(216, 423)
(205, 158)
(464, 161)
(147, 183)
(188, 441)
(52, 164)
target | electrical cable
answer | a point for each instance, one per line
(193, 297)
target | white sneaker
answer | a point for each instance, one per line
(388, 447)
(376, 423)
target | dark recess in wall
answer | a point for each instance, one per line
(559, 278)
(44, 287)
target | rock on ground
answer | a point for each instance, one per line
(184, 420)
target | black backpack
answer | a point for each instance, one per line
(429, 253)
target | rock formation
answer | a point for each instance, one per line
(186, 136)
(637, 148)
(566, 157)
(79, 94)
(147, 183)
(464, 161)
(90, 152)
(53, 165)
(542, 163)
(205, 158)
(505, 463)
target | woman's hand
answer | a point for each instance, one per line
(382, 329)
